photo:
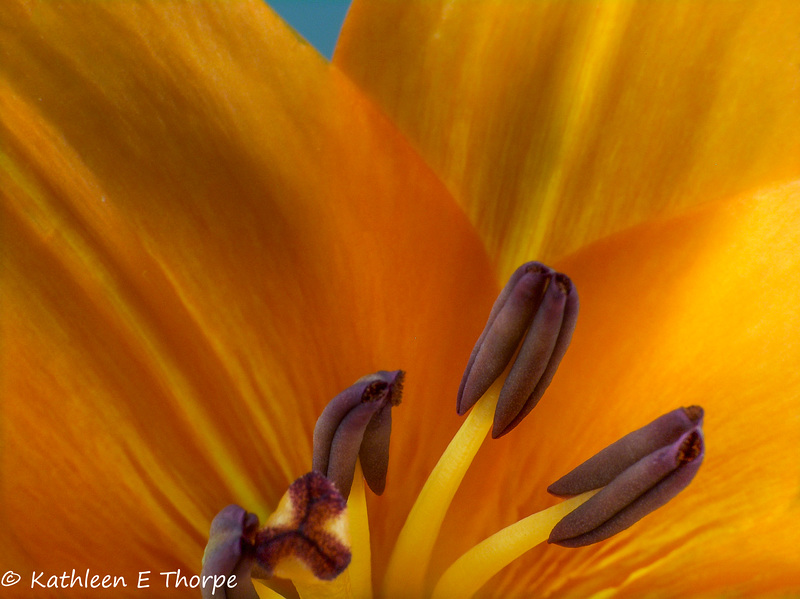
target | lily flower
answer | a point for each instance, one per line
(208, 232)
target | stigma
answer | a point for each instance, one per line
(306, 540)
(307, 533)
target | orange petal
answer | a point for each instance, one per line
(700, 309)
(558, 123)
(207, 233)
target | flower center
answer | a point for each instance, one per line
(324, 549)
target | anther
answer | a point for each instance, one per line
(639, 473)
(307, 534)
(229, 555)
(534, 317)
(357, 423)
(542, 351)
(609, 463)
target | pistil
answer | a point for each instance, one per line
(306, 540)
(307, 533)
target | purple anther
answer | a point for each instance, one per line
(542, 351)
(639, 488)
(609, 463)
(228, 557)
(533, 318)
(358, 423)
(508, 321)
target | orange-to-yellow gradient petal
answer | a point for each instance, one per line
(207, 233)
(557, 123)
(700, 309)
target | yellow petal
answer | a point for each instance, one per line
(557, 123)
(207, 233)
(700, 309)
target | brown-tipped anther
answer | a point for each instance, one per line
(374, 450)
(637, 490)
(307, 532)
(544, 347)
(693, 413)
(609, 463)
(228, 557)
(509, 318)
(358, 423)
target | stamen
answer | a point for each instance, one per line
(542, 351)
(510, 317)
(229, 556)
(308, 541)
(358, 423)
(409, 562)
(653, 478)
(537, 309)
(638, 490)
(473, 569)
(360, 569)
(539, 305)
(609, 463)
(374, 452)
(306, 538)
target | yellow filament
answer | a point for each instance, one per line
(471, 571)
(360, 568)
(408, 565)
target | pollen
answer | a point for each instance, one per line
(373, 392)
(691, 447)
(563, 283)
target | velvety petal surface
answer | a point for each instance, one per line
(207, 233)
(700, 309)
(557, 123)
